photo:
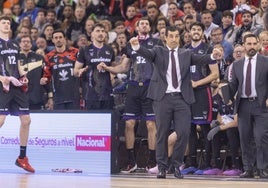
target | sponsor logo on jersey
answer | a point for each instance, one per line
(9, 51)
(101, 59)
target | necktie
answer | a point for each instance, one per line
(248, 79)
(173, 71)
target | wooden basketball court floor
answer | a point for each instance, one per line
(136, 180)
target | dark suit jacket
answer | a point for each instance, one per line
(159, 55)
(261, 80)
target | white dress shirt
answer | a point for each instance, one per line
(170, 87)
(253, 76)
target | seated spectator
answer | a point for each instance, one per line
(97, 9)
(63, 4)
(30, 10)
(225, 125)
(246, 25)
(188, 9)
(216, 37)
(238, 53)
(258, 17)
(88, 28)
(237, 11)
(47, 34)
(216, 15)
(81, 41)
(51, 18)
(17, 11)
(142, 6)
(263, 37)
(67, 17)
(164, 7)
(228, 29)
(77, 26)
(153, 14)
(40, 20)
(111, 35)
(160, 23)
(188, 20)
(131, 18)
(119, 27)
(41, 44)
(207, 20)
(174, 13)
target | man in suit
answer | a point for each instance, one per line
(250, 82)
(172, 92)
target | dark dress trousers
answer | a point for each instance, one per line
(174, 106)
(252, 114)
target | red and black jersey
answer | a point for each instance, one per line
(59, 68)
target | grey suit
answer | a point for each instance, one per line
(252, 114)
(168, 107)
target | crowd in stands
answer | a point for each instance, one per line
(59, 32)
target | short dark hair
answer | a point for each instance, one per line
(98, 25)
(249, 36)
(58, 31)
(144, 18)
(206, 12)
(118, 23)
(25, 36)
(4, 17)
(247, 12)
(198, 24)
(228, 13)
(190, 16)
(171, 28)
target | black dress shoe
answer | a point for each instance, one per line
(171, 169)
(247, 174)
(177, 173)
(263, 174)
(161, 174)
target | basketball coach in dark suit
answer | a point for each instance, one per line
(172, 94)
(250, 82)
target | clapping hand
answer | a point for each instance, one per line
(101, 67)
(82, 70)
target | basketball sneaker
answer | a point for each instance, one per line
(24, 163)
(129, 168)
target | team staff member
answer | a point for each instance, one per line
(59, 72)
(13, 100)
(97, 87)
(138, 106)
(32, 65)
(172, 93)
(250, 81)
